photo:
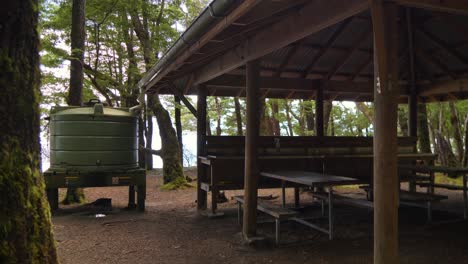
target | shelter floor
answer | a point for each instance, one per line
(171, 231)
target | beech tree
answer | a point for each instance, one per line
(25, 226)
(75, 94)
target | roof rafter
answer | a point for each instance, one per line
(313, 17)
(442, 45)
(326, 47)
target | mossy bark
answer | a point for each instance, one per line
(170, 150)
(25, 221)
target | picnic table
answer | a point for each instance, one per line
(312, 179)
(431, 170)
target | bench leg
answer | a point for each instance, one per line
(465, 197)
(323, 207)
(277, 231)
(429, 212)
(296, 197)
(239, 213)
(214, 200)
(330, 212)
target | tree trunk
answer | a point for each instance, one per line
(403, 121)
(171, 155)
(309, 113)
(446, 156)
(218, 116)
(178, 125)
(275, 125)
(172, 165)
(238, 116)
(423, 130)
(149, 136)
(75, 95)
(327, 108)
(455, 122)
(26, 230)
(288, 117)
(465, 154)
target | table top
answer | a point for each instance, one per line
(441, 169)
(310, 178)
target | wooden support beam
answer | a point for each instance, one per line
(184, 99)
(386, 183)
(326, 47)
(447, 6)
(201, 150)
(319, 131)
(413, 98)
(249, 228)
(298, 84)
(310, 19)
(443, 87)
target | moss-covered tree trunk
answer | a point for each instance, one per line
(25, 224)
(75, 94)
(170, 151)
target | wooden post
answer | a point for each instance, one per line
(385, 24)
(201, 151)
(319, 112)
(251, 140)
(413, 97)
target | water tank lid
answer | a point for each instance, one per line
(95, 112)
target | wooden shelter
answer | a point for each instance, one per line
(388, 52)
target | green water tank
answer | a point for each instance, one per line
(93, 138)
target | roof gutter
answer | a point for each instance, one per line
(215, 10)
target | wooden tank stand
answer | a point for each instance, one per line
(64, 179)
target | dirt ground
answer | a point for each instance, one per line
(171, 231)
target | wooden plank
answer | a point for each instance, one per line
(275, 211)
(441, 169)
(346, 200)
(249, 227)
(312, 18)
(413, 98)
(385, 23)
(420, 197)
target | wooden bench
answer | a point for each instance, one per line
(431, 185)
(278, 213)
(411, 198)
